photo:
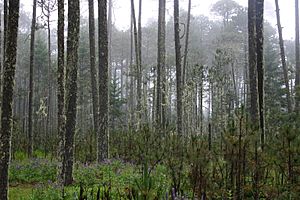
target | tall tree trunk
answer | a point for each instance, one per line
(48, 127)
(7, 98)
(260, 65)
(30, 94)
(71, 86)
(178, 68)
(297, 81)
(61, 89)
(186, 47)
(131, 71)
(161, 59)
(1, 56)
(93, 65)
(5, 28)
(252, 63)
(139, 67)
(283, 61)
(102, 146)
(137, 61)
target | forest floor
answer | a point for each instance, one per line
(36, 179)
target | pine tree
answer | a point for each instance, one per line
(7, 97)
(102, 142)
(71, 86)
(178, 68)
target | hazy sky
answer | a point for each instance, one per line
(121, 11)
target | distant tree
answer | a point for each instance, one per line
(283, 61)
(226, 9)
(47, 7)
(7, 97)
(71, 86)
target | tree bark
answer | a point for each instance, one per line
(283, 61)
(161, 59)
(7, 98)
(186, 47)
(93, 65)
(297, 81)
(139, 67)
(5, 21)
(102, 146)
(252, 63)
(61, 89)
(260, 66)
(30, 94)
(71, 86)
(178, 68)
(137, 61)
(5, 27)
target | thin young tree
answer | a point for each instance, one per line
(47, 7)
(283, 61)
(71, 86)
(102, 141)
(31, 67)
(93, 65)
(139, 67)
(178, 68)
(7, 97)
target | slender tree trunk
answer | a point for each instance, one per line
(260, 65)
(283, 61)
(186, 47)
(252, 62)
(110, 38)
(71, 86)
(161, 57)
(48, 127)
(30, 94)
(7, 98)
(297, 81)
(102, 146)
(131, 102)
(1, 56)
(93, 65)
(139, 67)
(61, 89)
(178, 68)
(137, 61)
